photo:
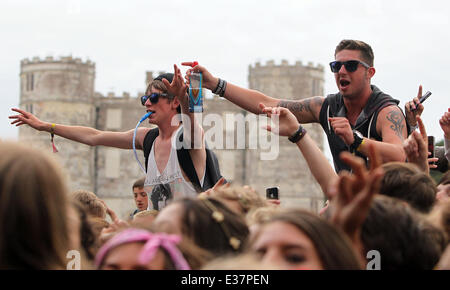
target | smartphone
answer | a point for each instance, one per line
(431, 147)
(424, 97)
(272, 193)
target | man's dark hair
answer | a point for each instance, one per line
(138, 183)
(406, 182)
(364, 49)
(404, 239)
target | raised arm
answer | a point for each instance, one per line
(193, 134)
(305, 110)
(85, 135)
(316, 160)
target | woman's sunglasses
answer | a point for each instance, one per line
(350, 65)
(154, 98)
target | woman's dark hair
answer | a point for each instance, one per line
(333, 247)
(201, 223)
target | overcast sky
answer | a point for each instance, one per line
(410, 39)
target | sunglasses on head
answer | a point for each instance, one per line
(350, 65)
(154, 98)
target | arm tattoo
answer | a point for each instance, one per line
(297, 106)
(396, 118)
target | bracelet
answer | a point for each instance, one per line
(413, 128)
(220, 89)
(359, 146)
(52, 134)
(298, 135)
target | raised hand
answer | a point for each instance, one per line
(342, 128)
(414, 108)
(416, 148)
(445, 124)
(287, 123)
(177, 87)
(25, 117)
(354, 193)
(209, 81)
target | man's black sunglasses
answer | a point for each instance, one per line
(154, 98)
(350, 65)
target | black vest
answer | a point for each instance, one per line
(333, 106)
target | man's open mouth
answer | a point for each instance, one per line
(344, 83)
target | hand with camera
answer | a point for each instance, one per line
(414, 108)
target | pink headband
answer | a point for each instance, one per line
(152, 242)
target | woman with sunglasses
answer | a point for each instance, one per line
(165, 97)
(358, 115)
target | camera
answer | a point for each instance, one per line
(272, 193)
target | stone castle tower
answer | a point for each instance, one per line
(62, 91)
(289, 171)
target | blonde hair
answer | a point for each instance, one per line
(246, 197)
(90, 202)
(145, 213)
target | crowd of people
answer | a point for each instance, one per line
(383, 210)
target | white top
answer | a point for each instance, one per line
(163, 187)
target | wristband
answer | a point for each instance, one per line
(298, 135)
(220, 89)
(52, 134)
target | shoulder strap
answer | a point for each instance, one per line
(148, 143)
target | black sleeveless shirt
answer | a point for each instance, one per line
(333, 106)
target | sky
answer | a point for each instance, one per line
(410, 40)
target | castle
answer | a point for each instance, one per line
(62, 91)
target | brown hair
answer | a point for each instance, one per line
(440, 217)
(246, 198)
(333, 247)
(159, 85)
(200, 224)
(364, 49)
(138, 183)
(403, 237)
(33, 210)
(90, 202)
(406, 182)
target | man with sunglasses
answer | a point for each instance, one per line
(174, 169)
(359, 114)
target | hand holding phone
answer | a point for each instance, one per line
(423, 99)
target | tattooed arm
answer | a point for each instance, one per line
(391, 126)
(305, 110)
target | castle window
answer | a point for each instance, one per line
(30, 82)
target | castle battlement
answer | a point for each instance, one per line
(51, 59)
(270, 64)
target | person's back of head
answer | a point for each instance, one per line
(207, 222)
(90, 202)
(406, 182)
(402, 236)
(33, 210)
